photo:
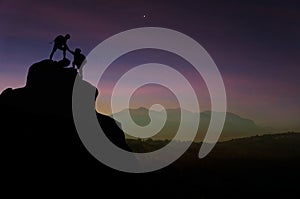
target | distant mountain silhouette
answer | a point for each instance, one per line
(234, 127)
(37, 123)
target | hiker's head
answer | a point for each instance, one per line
(77, 50)
(67, 36)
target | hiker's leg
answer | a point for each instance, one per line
(64, 51)
(52, 52)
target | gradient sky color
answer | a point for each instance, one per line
(255, 44)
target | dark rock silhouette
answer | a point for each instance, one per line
(37, 122)
(60, 42)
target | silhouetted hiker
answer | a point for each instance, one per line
(78, 60)
(60, 42)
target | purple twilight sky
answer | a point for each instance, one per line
(255, 44)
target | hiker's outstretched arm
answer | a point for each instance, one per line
(68, 49)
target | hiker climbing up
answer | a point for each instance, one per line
(79, 60)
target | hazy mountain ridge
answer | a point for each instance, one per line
(235, 126)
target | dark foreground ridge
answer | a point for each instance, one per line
(43, 108)
(42, 150)
(37, 125)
